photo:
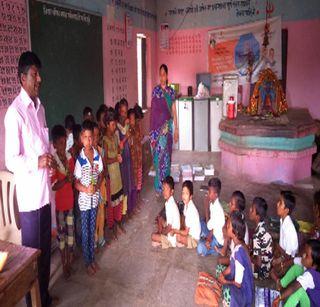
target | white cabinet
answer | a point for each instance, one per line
(216, 105)
(185, 123)
(201, 124)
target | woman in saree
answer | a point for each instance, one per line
(163, 116)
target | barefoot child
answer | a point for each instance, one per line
(189, 236)
(166, 237)
(62, 184)
(113, 160)
(88, 174)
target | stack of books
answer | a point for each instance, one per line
(186, 172)
(209, 170)
(175, 172)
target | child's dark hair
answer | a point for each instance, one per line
(169, 181)
(132, 112)
(189, 185)
(122, 102)
(26, 60)
(261, 207)
(58, 132)
(238, 224)
(315, 247)
(240, 200)
(289, 200)
(101, 112)
(86, 111)
(109, 116)
(69, 122)
(316, 200)
(87, 125)
(76, 130)
(139, 112)
(215, 183)
(94, 125)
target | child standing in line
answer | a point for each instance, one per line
(136, 152)
(69, 123)
(101, 113)
(301, 284)
(88, 174)
(189, 236)
(99, 234)
(262, 241)
(129, 188)
(288, 241)
(165, 236)
(62, 184)
(113, 160)
(211, 229)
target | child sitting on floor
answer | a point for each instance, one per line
(237, 203)
(288, 241)
(88, 174)
(62, 183)
(190, 236)
(211, 228)
(301, 284)
(166, 237)
(262, 240)
(237, 279)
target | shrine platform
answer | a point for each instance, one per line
(269, 149)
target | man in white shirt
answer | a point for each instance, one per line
(27, 155)
(212, 229)
(166, 236)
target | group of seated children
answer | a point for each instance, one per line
(97, 179)
(223, 234)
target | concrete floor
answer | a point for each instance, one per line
(135, 274)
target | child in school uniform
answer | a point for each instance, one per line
(301, 284)
(113, 160)
(262, 241)
(99, 234)
(237, 203)
(288, 241)
(62, 181)
(88, 175)
(166, 237)
(129, 188)
(136, 152)
(189, 236)
(211, 228)
(237, 278)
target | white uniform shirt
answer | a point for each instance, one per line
(173, 218)
(288, 237)
(192, 220)
(217, 220)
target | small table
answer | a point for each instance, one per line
(19, 275)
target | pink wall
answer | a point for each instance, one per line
(303, 69)
(130, 55)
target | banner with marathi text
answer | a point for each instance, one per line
(239, 50)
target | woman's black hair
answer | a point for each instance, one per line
(169, 181)
(87, 125)
(57, 132)
(238, 225)
(69, 122)
(289, 200)
(240, 200)
(76, 130)
(315, 248)
(109, 116)
(261, 207)
(215, 183)
(26, 60)
(189, 185)
(165, 68)
(132, 112)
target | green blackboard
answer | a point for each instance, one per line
(69, 45)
